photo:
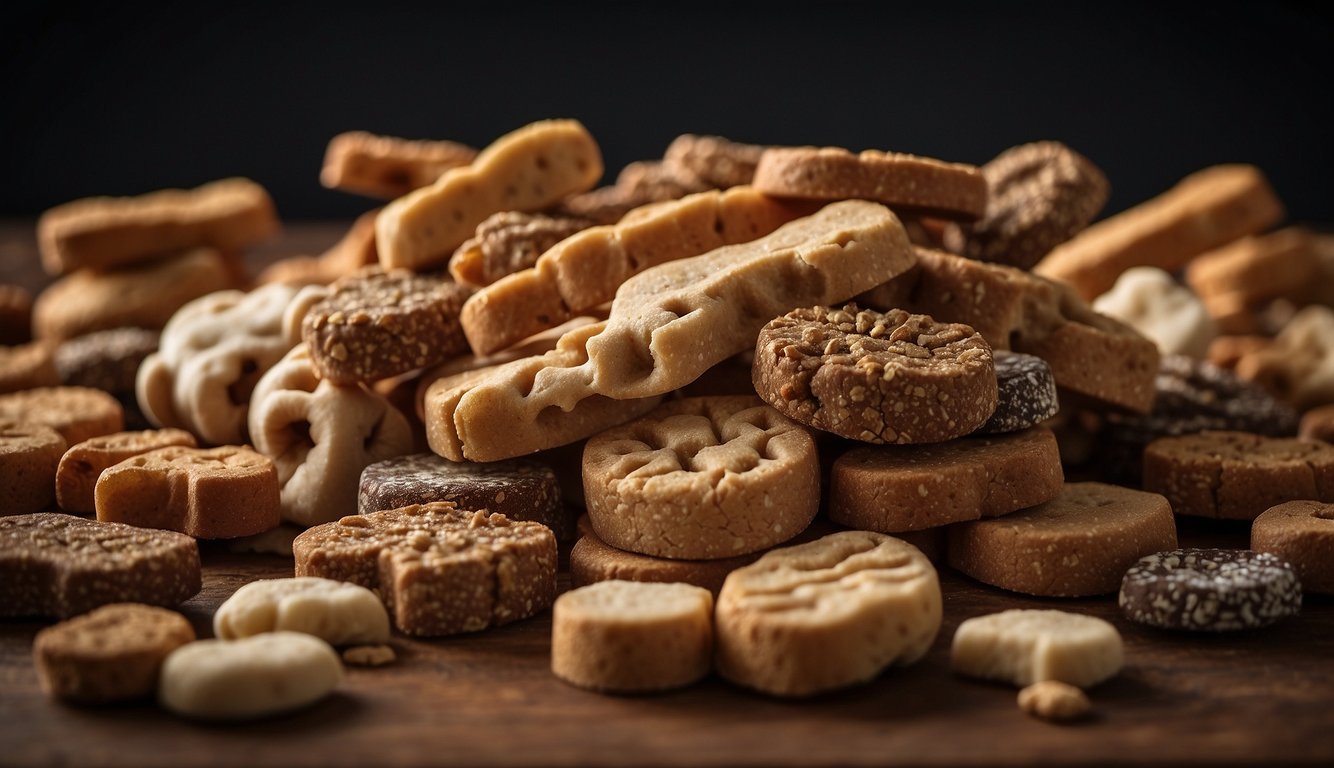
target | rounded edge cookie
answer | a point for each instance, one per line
(26, 366)
(1026, 393)
(593, 560)
(113, 653)
(1210, 590)
(29, 457)
(1301, 532)
(77, 413)
(81, 465)
(1027, 646)
(248, 678)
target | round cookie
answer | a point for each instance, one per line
(77, 413)
(905, 488)
(520, 489)
(702, 478)
(1027, 646)
(891, 377)
(1302, 533)
(113, 653)
(1210, 590)
(1038, 196)
(26, 366)
(29, 455)
(374, 324)
(248, 678)
(1237, 475)
(1078, 544)
(1318, 424)
(1026, 393)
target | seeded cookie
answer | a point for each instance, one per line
(15, 314)
(714, 160)
(1210, 590)
(112, 654)
(1318, 424)
(77, 413)
(1038, 196)
(892, 488)
(26, 366)
(915, 184)
(440, 570)
(1026, 393)
(1028, 646)
(1237, 475)
(81, 466)
(1078, 544)
(375, 324)
(509, 242)
(59, 565)
(388, 167)
(248, 678)
(1302, 533)
(29, 455)
(891, 377)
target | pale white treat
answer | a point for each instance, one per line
(1028, 646)
(243, 679)
(337, 612)
(632, 636)
(1152, 302)
(827, 614)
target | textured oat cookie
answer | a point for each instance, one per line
(1078, 544)
(59, 565)
(1026, 393)
(374, 324)
(80, 466)
(26, 366)
(630, 636)
(77, 413)
(334, 611)
(891, 488)
(388, 167)
(320, 437)
(15, 314)
(828, 614)
(107, 232)
(702, 478)
(509, 242)
(29, 455)
(211, 355)
(1210, 590)
(1302, 533)
(1029, 646)
(113, 653)
(1237, 475)
(714, 160)
(1090, 355)
(585, 270)
(1203, 211)
(915, 184)
(1152, 302)
(248, 678)
(891, 377)
(1318, 424)
(1299, 365)
(440, 570)
(1038, 196)
(208, 493)
(530, 169)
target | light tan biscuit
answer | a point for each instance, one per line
(58, 565)
(1298, 366)
(1152, 302)
(369, 655)
(1078, 544)
(593, 560)
(1205, 210)
(1030, 646)
(891, 489)
(509, 242)
(208, 493)
(112, 654)
(714, 160)
(1302, 533)
(639, 185)
(530, 169)
(629, 636)
(321, 436)
(334, 611)
(1054, 700)
(1253, 270)
(388, 167)
(29, 454)
(828, 614)
(354, 250)
(27, 366)
(891, 377)
(81, 465)
(108, 232)
(15, 314)
(139, 296)
(77, 413)
(440, 570)
(1237, 475)
(702, 478)
(586, 269)
(1318, 424)
(248, 678)
(914, 184)
(1227, 351)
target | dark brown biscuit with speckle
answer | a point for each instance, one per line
(890, 377)
(1026, 393)
(77, 413)
(113, 653)
(1210, 590)
(59, 565)
(1301, 532)
(375, 324)
(26, 366)
(508, 242)
(81, 465)
(15, 314)
(29, 455)
(1318, 424)
(1038, 196)
(716, 161)
(105, 360)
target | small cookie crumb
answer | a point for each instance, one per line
(369, 655)
(1054, 700)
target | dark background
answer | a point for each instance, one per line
(121, 99)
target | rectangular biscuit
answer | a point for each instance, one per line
(388, 167)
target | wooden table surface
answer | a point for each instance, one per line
(1262, 697)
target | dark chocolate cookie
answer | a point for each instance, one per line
(1210, 590)
(1027, 393)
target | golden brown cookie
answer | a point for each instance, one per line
(891, 377)
(388, 167)
(1298, 367)
(15, 314)
(27, 366)
(81, 465)
(77, 413)
(29, 455)
(914, 184)
(1301, 532)
(59, 565)
(714, 160)
(354, 250)
(509, 242)
(1078, 544)
(1250, 271)
(440, 570)
(112, 654)
(1318, 424)
(593, 560)
(638, 185)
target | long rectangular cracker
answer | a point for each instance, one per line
(388, 167)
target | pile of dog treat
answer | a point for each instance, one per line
(763, 392)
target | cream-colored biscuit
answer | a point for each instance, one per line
(527, 170)
(83, 463)
(1152, 302)
(386, 166)
(29, 456)
(320, 436)
(337, 612)
(248, 678)
(1028, 646)
(113, 653)
(77, 413)
(828, 614)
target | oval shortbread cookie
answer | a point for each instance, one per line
(1210, 590)
(113, 653)
(1301, 532)
(337, 612)
(1028, 646)
(828, 614)
(242, 679)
